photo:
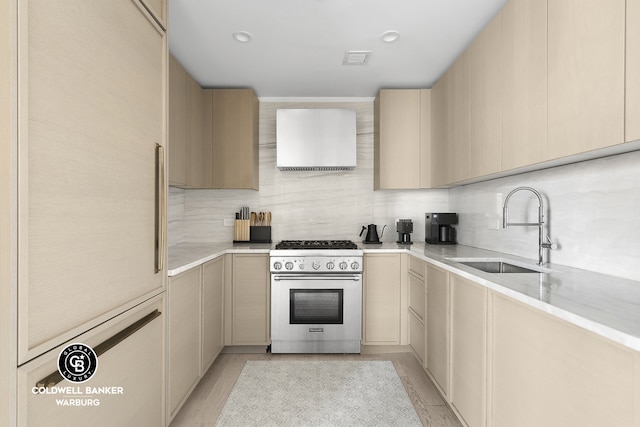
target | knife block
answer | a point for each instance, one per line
(241, 231)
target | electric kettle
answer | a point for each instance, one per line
(372, 233)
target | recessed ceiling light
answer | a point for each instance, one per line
(390, 36)
(243, 36)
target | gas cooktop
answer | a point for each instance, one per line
(316, 244)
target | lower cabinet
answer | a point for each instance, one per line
(381, 300)
(250, 292)
(547, 372)
(132, 370)
(184, 337)
(416, 311)
(468, 350)
(212, 311)
(438, 327)
(195, 306)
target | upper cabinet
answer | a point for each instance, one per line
(213, 134)
(524, 83)
(632, 98)
(402, 138)
(177, 123)
(234, 138)
(586, 40)
(485, 100)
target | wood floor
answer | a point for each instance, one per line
(207, 400)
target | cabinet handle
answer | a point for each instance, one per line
(160, 201)
(55, 377)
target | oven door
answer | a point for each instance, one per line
(316, 313)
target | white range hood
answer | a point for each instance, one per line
(316, 139)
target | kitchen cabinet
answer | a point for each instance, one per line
(524, 83)
(485, 100)
(438, 327)
(381, 299)
(189, 144)
(450, 125)
(586, 66)
(234, 137)
(91, 122)
(184, 337)
(416, 303)
(249, 300)
(135, 364)
(439, 130)
(632, 74)
(402, 138)
(177, 123)
(545, 371)
(468, 350)
(212, 311)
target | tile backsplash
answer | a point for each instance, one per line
(592, 208)
(592, 212)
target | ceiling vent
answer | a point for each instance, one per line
(356, 57)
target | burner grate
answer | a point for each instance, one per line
(316, 244)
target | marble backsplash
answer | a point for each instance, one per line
(592, 212)
(592, 208)
(305, 204)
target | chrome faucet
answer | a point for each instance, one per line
(539, 224)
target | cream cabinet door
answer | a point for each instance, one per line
(397, 140)
(485, 100)
(586, 75)
(234, 135)
(524, 83)
(458, 154)
(440, 131)
(133, 370)
(546, 372)
(251, 296)
(91, 111)
(184, 340)
(438, 327)
(381, 300)
(212, 311)
(469, 350)
(178, 157)
(632, 93)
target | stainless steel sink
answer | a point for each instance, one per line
(499, 267)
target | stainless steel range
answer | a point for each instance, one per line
(316, 296)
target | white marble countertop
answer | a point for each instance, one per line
(606, 305)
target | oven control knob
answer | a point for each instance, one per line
(343, 265)
(277, 265)
(315, 265)
(355, 265)
(289, 265)
(330, 265)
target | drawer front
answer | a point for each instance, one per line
(416, 266)
(416, 336)
(127, 387)
(416, 296)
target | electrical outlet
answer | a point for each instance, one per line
(228, 222)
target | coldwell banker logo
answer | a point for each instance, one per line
(77, 362)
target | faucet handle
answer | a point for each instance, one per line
(549, 245)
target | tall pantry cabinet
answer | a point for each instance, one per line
(83, 195)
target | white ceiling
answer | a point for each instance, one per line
(298, 45)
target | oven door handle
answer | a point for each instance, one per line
(351, 277)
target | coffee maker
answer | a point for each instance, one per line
(404, 227)
(439, 228)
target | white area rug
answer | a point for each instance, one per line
(318, 393)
